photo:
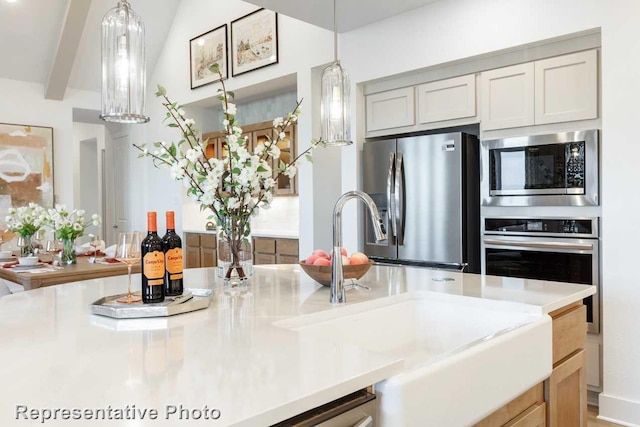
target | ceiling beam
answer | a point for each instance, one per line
(65, 55)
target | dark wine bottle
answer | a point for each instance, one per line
(172, 247)
(152, 263)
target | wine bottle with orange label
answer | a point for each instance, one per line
(172, 246)
(152, 263)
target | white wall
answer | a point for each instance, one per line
(455, 29)
(301, 47)
(89, 141)
(24, 103)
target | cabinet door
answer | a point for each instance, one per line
(507, 97)
(287, 247)
(208, 257)
(391, 109)
(286, 186)
(447, 99)
(192, 259)
(567, 88)
(567, 393)
(532, 417)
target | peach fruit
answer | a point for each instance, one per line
(358, 258)
(322, 261)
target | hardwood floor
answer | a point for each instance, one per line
(592, 421)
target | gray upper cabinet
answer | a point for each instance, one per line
(390, 109)
(448, 99)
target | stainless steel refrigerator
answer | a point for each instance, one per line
(427, 189)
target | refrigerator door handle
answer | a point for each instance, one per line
(399, 199)
(390, 198)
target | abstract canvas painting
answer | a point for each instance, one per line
(26, 167)
(254, 41)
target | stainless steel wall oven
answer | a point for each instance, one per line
(557, 249)
(558, 169)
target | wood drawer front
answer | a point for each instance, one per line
(569, 332)
(264, 258)
(287, 259)
(536, 416)
(530, 398)
(208, 241)
(192, 239)
(287, 247)
(263, 245)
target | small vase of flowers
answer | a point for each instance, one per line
(67, 227)
(26, 221)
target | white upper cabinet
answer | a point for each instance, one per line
(554, 90)
(447, 99)
(567, 88)
(507, 97)
(390, 109)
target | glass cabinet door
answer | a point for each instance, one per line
(285, 186)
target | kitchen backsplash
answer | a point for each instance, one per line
(283, 217)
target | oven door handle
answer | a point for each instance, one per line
(541, 244)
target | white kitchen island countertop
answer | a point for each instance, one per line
(56, 355)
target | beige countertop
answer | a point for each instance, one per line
(231, 357)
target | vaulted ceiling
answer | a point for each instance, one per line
(57, 42)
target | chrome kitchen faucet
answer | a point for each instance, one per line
(337, 276)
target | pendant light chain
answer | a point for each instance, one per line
(335, 33)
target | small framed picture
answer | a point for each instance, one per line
(254, 41)
(205, 50)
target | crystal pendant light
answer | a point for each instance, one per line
(123, 66)
(335, 110)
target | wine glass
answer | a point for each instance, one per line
(94, 243)
(128, 251)
(36, 240)
(53, 248)
(21, 243)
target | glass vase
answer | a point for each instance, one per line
(235, 256)
(26, 245)
(68, 254)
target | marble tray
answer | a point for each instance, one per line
(190, 300)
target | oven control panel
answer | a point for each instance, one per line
(578, 227)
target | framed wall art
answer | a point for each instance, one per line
(205, 50)
(26, 167)
(254, 41)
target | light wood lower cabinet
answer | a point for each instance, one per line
(267, 250)
(567, 392)
(200, 249)
(517, 410)
(561, 401)
(566, 389)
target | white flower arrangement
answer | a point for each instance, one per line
(237, 185)
(69, 225)
(26, 220)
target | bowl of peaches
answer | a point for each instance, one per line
(318, 266)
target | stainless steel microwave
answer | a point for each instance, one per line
(559, 169)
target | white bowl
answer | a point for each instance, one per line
(5, 254)
(28, 260)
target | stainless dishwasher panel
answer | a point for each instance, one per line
(354, 410)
